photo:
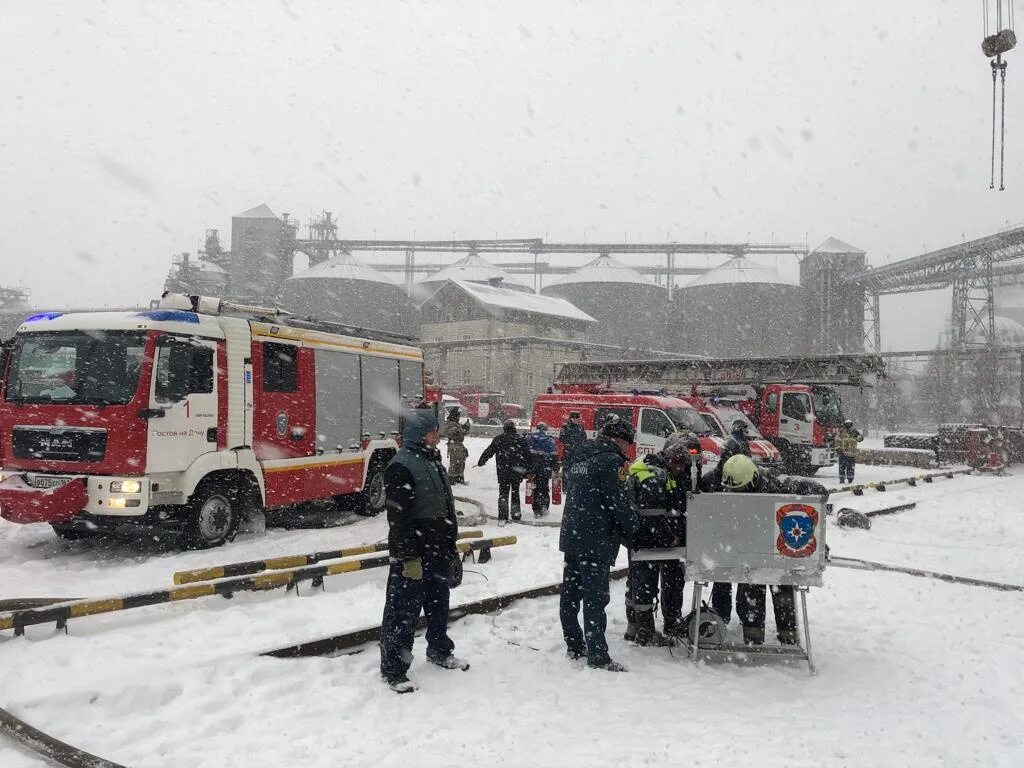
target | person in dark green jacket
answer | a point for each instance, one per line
(422, 533)
(599, 512)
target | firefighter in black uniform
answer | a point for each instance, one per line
(660, 485)
(599, 513)
(738, 442)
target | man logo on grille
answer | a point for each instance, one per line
(797, 525)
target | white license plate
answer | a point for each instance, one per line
(40, 481)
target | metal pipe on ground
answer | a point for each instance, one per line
(869, 565)
(288, 561)
(46, 746)
(59, 614)
(858, 490)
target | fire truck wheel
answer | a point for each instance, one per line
(212, 517)
(373, 495)
(71, 534)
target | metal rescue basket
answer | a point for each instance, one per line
(752, 538)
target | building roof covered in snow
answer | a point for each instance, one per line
(603, 269)
(209, 267)
(832, 245)
(474, 269)
(499, 300)
(259, 212)
(740, 269)
(344, 266)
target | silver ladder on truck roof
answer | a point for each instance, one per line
(837, 370)
(212, 305)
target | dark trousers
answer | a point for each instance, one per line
(585, 582)
(405, 598)
(846, 467)
(750, 605)
(642, 592)
(541, 492)
(506, 487)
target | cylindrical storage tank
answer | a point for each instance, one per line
(257, 264)
(629, 307)
(471, 269)
(740, 309)
(343, 290)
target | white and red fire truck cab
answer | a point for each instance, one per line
(653, 416)
(192, 413)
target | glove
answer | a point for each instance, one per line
(413, 569)
(481, 463)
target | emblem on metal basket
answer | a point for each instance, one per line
(797, 525)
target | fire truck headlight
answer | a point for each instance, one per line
(122, 503)
(125, 486)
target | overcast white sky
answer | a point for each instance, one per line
(129, 127)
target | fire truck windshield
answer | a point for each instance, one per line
(730, 415)
(689, 420)
(75, 367)
(828, 407)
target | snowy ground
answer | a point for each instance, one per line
(912, 672)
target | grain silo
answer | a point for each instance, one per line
(344, 290)
(471, 269)
(629, 307)
(740, 309)
(258, 266)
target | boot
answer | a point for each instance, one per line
(653, 638)
(675, 627)
(448, 662)
(789, 637)
(646, 634)
(609, 666)
(502, 511)
(401, 685)
(753, 635)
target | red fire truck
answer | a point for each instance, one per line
(654, 415)
(193, 413)
(783, 397)
(485, 407)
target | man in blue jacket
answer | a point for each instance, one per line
(544, 459)
(422, 531)
(598, 513)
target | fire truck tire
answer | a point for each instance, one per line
(373, 495)
(68, 533)
(212, 516)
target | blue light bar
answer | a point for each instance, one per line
(43, 316)
(170, 316)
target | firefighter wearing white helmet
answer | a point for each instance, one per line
(740, 475)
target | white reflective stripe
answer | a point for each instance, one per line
(668, 553)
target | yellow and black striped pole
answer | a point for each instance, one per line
(288, 561)
(59, 614)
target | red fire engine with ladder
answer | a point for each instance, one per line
(194, 413)
(791, 400)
